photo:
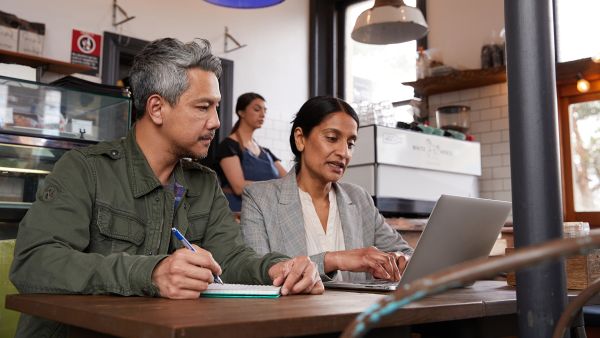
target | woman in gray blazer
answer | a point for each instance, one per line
(308, 212)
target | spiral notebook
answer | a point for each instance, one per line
(216, 290)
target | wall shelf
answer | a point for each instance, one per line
(458, 80)
(42, 63)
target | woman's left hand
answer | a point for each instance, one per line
(297, 275)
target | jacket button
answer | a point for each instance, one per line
(114, 153)
(156, 198)
(149, 253)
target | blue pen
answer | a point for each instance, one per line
(188, 245)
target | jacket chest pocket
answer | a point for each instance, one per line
(197, 228)
(116, 231)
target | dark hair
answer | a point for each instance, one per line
(161, 68)
(312, 113)
(242, 103)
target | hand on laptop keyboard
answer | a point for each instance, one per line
(381, 265)
(402, 261)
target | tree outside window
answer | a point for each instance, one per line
(585, 153)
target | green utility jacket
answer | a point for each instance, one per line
(102, 222)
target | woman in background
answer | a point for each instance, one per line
(241, 160)
(309, 212)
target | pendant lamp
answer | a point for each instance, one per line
(583, 85)
(245, 3)
(389, 21)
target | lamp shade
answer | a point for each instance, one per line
(389, 21)
(245, 3)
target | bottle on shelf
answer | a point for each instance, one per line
(492, 54)
(422, 64)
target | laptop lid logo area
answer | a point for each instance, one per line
(459, 229)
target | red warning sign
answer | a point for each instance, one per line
(85, 50)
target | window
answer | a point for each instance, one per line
(341, 67)
(580, 138)
(577, 29)
(374, 73)
(585, 154)
(579, 112)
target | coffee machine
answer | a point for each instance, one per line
(407, 171)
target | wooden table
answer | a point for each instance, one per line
(285, 316)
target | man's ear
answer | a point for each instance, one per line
(154, 107)
(299, 139)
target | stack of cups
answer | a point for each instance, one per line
(379, 113)
(364, 110)
(575, 229)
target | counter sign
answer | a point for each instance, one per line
(85, 50)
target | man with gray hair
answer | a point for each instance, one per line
(102, 221)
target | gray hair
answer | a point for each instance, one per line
(161, 68)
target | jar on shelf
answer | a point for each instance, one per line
(453, 118)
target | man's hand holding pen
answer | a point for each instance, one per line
(185, 273)
(188, 271)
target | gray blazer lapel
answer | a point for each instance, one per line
(350, 219)
(289, 211)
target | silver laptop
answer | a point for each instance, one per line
(459, 229)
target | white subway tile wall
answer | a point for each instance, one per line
(489, 126)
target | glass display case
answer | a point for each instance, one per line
(43, 110)
(38, 124)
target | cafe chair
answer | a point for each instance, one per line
(8, 318)
(573, 310)
(591, 315)
(465, 273)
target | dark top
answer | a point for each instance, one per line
(230, 147)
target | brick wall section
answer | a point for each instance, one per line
(489, 125)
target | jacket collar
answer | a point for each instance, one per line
(289, 188)
(350, 219)
(290, 215)
(142, 178)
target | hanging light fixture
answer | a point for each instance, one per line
(389, 21)
(583, 85)
(245, 3)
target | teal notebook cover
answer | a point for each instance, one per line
(241, 291)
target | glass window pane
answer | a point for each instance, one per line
(577, 29)
(585, 154)
(374, 73)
